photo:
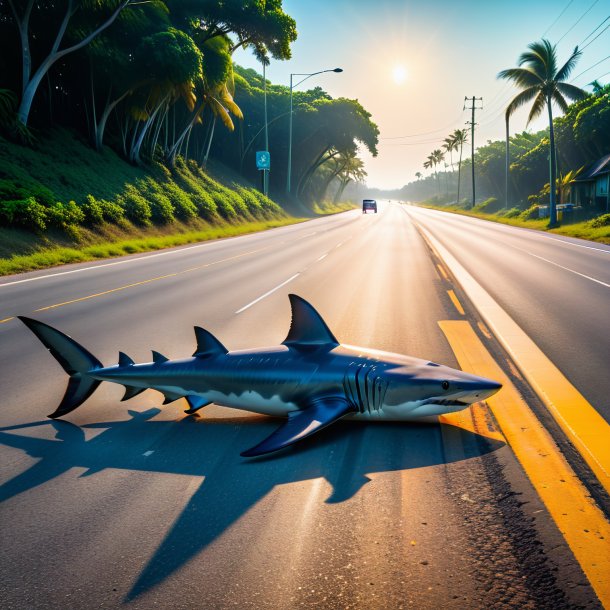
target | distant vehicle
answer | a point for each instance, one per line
(369, 204)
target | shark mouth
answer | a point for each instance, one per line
(445, 402)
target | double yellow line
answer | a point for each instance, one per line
(583, 525)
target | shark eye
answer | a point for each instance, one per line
(445, 385)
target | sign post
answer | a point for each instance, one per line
(263, 164)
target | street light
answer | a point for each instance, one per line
(290, 124)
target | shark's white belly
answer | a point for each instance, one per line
(278, 407)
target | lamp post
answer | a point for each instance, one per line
(306, 75)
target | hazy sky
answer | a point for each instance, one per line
(411, 63)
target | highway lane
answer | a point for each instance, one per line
(130, 505)
(556, 288)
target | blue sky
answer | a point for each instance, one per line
(448, 50)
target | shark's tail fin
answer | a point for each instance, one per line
(74, 359)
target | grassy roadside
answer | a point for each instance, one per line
(582, 230)
(53, 255)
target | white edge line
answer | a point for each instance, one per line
(102, 266)
(175, 250)
(267, 293)
(537, 232)
(322, 257)
(546, 260)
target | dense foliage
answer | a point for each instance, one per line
(155, 82)
(581, 137)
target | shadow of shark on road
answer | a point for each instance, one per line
(232, 486)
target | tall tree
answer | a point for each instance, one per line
(460, 136)
(543, 83)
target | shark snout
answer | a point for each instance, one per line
(480, 390)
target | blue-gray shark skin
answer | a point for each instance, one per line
(310, 378)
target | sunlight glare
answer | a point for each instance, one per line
(399, 74)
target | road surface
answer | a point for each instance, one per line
(133, 505)
(556, 288)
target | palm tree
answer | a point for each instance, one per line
(428, 163)
(460, 137)
(437, 158)
(543, 83)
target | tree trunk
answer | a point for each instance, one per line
(459, 174)
(101, 126)
(507, 165)
(134, 153)
(552, 168)
(207, 152)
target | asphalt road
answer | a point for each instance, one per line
(130, 505)
(556, 288)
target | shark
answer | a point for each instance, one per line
(310, 379)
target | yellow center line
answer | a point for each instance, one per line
(442, 272)
(7, 320)
(455, 301)
(154, 279)
(583, 525)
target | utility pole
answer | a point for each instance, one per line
(474, 107)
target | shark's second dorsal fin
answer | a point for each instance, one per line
(207, 344)
(125, 360)
(159, 358)
(307, 327)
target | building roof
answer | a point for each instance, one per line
(597, 168)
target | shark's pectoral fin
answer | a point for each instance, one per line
(196, 403)
(320, 413)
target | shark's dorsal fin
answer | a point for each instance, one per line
(307, 327)
(207, 344)
(158, 358)
(125, 360)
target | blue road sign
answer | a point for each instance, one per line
(263, 160)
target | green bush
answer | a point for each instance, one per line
(136, 207)
(162, 208)
(530, 214)
(93, 210)
(27, 213)
(512, 213)
(269, 207)
(489, 206)
(64, 215)
(225, 209)
(600, 221)
(182, 202)
(251, 200)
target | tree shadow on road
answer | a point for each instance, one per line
(345, 454)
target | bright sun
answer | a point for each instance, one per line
(399, 74)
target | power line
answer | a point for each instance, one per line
(590, 68)
(425, 133)
(578, 21)
(594, 39)
(558, 18)
(593, 32)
